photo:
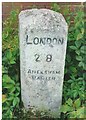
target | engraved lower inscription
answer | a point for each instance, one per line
(43, 74)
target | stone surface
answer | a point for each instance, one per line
(43, 40)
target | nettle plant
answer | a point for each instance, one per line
(74, 85)
(10, 66)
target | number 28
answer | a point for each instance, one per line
(48, 57)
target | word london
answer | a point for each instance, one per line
(44, 41)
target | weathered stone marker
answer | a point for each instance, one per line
(43, 39)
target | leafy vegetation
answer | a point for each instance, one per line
(74, 84)
(10, 67)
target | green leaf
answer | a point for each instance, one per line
(78, 43)
(12, 61)
(4, 98)
(81, 64)
(7, 79)
(12, 89)
(69, 102)
(5, 36)
(77, 52)
(75, 94)
(77, 103)
(9, 113)
(82, 30)
(9, 86)
(73, 47)
(73, 114)
(79, 36)
(81, 112)
(18, 88)
(17, 94)
(10, 98)
(15, 101)
(4, 69)
(70, 81)
(56, 7)
(79, 58)
(9, 55)
(65, 108)
(83, 49)
(73, 69)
